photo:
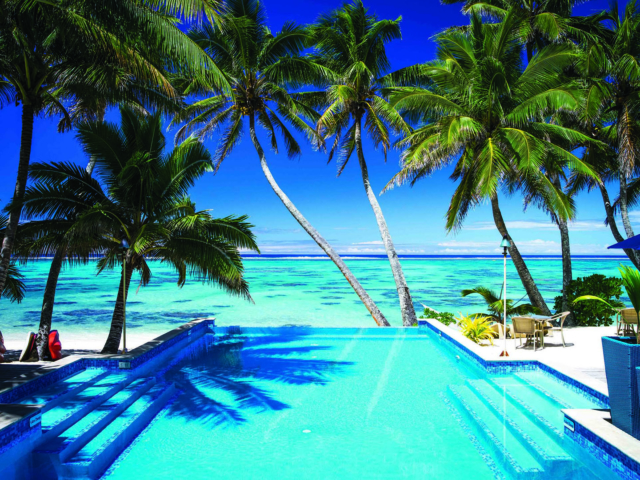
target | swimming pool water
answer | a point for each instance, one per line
(302, 403)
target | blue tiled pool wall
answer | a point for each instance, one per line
(606, 453)
(514, 366)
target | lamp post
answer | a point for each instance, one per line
(505, 244)
(125, 246)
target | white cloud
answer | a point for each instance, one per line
(577, 226)
(375, 242)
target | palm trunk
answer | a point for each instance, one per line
(624, 212)
(375, 312)
(115, 332)
(611, 221)
(49, 298)
(525, 276)
(406, 304)
(18, 194)
(567, 273)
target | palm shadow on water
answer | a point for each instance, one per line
(228, 378)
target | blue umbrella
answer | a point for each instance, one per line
(632, 243)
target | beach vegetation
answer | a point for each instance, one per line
(605, 290)
(495, 304)
(446, 318)
(476, 328)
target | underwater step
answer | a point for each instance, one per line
(558, 391)
(97, 455)
(507, 450)
(55, 394)
(71, 440)
(537, 440)
(68, 412)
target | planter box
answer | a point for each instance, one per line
(621, 357)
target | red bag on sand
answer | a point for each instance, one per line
(3, 349)
(55, 347)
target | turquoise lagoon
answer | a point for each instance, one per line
(285, 291)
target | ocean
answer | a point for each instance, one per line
(286, 290)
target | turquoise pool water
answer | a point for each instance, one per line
(285, 291)
(302, 403)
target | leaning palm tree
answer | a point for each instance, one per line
(482, 110)
(48, 49)
(137, 209)
(261, 67)
(350, 42)
(495, 304)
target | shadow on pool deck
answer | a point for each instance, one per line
(233, 364)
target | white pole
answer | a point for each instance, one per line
(505, 303)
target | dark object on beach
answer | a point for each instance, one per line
(29, 349)
(621, 358)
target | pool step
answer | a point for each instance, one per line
(562, 394)
(506, 448)
(540, 443)
(57, 393)
(68, 412)
(97, 455)
(71, 440)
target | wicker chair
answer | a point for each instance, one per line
(527, 327)
(626, 320)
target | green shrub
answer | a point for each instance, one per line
(446, 318)
(593, 314)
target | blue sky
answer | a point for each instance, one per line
(337, 206)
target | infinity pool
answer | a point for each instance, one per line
(300, 403)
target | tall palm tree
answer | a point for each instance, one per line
(485, 111)
(350, 42)
(139, 196)
(262, 67)
(49, 49)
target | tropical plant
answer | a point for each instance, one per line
(480, 108)
(140, 196)
(350, 42)
(631, 281)
(495, 304)
(592, 314)
(476, 328)
(446, 318)
(51, 52)
(262, 68)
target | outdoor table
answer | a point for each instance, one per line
(540, 319)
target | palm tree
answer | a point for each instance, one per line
(141, 199)
(350, 42)
(495, 304)
(261, 67)
(486, 112)
(48, 50)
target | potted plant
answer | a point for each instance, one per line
(621, 358)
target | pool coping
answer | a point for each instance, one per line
(593, 431)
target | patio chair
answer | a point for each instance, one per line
(560, 318)
(626, 320)
(497, 329)
(528, 328)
